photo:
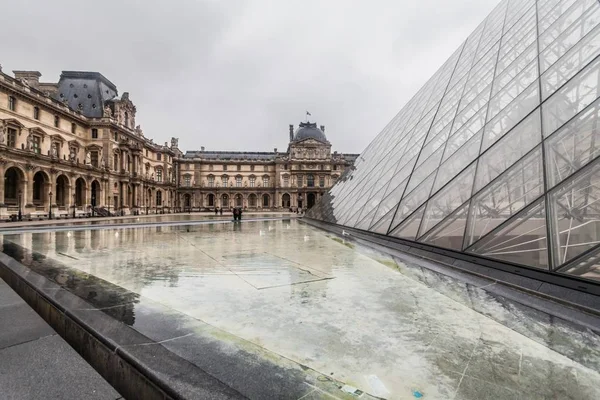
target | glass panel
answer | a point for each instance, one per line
(571, 63)
(587, 267)
(574, 145)
(448, 199)
(413, 200)
(389, 203)
(575, 206)
(509, 193)
(457, 162)
(582, 90)
(408, 229)
(529, 126)
(384, 224)
(522, 240)
(425, 170)
(507, 151)
(513, 114)
(450, 232)
(571, 37)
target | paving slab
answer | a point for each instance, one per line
(36, 363)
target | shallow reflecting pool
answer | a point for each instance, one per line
(290, 293)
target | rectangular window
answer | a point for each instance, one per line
(286, 181)
(12, 138)
(146, 150)
(94, 158)
(37, 141)
(266, 168)
(285, 167)
(211, 181)
(322, 167)
(73, 128)
(57, 122)
(158, 156)
(210, 167)
(187, 181)
(239, 167)
(238, 181)
(300, 181)
(36, 113)
(224, 167)
(12, 103)
(159, 175)
(252, 181)
(224, 181)
(252, 168)
(265, 181)
(322, 181)
(94, 133)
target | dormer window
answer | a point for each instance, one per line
(36, 113)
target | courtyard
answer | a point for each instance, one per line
(280, 309)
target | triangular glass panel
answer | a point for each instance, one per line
(409, 228)
(383, 225)
(520, 240)
(450, 232)
(505, 196)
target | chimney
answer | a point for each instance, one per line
(323, 128)
(202, 148)
(32, 77)
(275, 150)
(291, 132)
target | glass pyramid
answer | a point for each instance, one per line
(497, 155)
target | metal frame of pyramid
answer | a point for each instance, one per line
(497, 155)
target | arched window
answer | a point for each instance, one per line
(266, 200)
(211, 200)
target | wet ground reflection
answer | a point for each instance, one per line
(286, 288)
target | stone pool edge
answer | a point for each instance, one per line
(138, 374)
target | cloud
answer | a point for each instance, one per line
(232, 75)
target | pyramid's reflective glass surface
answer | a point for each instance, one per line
(497, 154)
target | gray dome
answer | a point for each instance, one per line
(308, 130)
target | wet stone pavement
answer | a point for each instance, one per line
(266, 298)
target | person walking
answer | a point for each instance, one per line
(239, 214)
(235, 214)
(216, 210)
(221, 210)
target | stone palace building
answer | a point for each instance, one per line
(73, 147)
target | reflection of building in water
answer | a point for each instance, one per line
(497, 155)
(75, 145)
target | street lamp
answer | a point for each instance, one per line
(50, 212)
(20, 215)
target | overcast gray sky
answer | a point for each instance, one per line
(233, 74)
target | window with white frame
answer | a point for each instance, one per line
(252, 181)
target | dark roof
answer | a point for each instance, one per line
(231, 155)
(89, 89)
(308, 130)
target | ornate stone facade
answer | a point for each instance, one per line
(286, 180)
(74, 146)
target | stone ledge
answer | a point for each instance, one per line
(102, 342)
